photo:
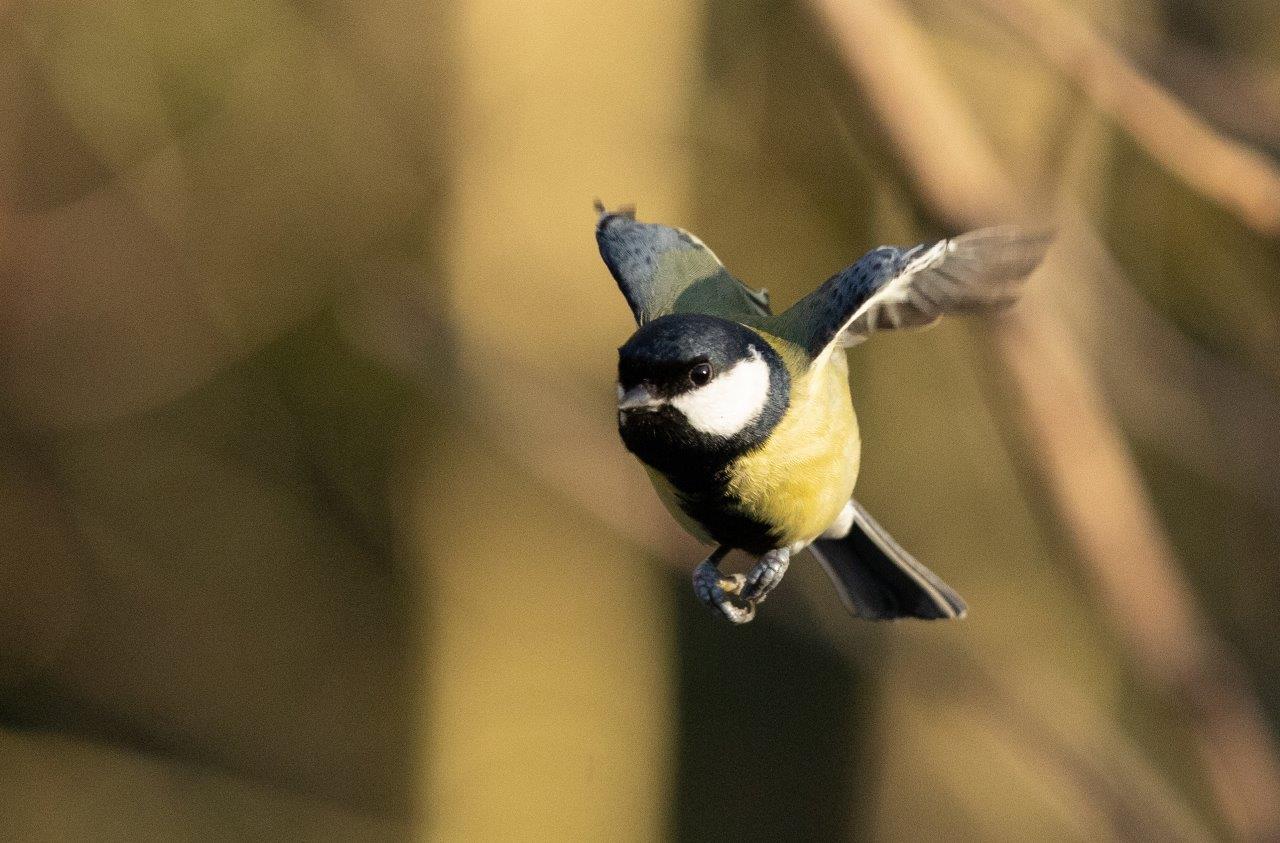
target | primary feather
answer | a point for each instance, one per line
(894, 288)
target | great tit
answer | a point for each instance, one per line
(744, 420)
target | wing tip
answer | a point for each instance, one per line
(1029, 242)
(605, 216)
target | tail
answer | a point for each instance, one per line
(878, 580)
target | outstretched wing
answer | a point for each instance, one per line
(892, 288)
(665, 270)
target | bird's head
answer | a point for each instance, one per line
(695, 389)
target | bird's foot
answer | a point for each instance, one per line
(765, 576)
(714, 589)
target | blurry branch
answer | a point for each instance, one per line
(1152, 373)
(938, 141)
(537, 416)
(60, 787)
(1243, 100)
(1084, 462)
(1137, 801)
(1082, 456)
(1229, 173)
(1101, 763)
(534, 412)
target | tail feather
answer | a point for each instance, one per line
(878, 580)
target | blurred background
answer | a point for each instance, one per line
(314, 525)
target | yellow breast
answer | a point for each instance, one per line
(802, 477)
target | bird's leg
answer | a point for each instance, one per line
(766, 575)
(713, 588)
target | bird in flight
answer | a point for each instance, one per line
(744, 420)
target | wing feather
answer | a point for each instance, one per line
(661, 270)
(892, 288)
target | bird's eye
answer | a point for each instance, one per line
(700, 374)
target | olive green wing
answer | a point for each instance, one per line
(663, 270)
(910, 288)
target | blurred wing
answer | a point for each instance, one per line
(891, 288)
(665, 270)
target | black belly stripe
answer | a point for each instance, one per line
(730, 527)
(704, 497)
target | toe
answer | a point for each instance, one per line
(735, 614)
(764, 578)
(713, 589)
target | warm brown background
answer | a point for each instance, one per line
(312, 520)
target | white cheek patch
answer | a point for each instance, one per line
(731, 401)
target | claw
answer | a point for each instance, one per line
(733, 583)
(713, 588)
